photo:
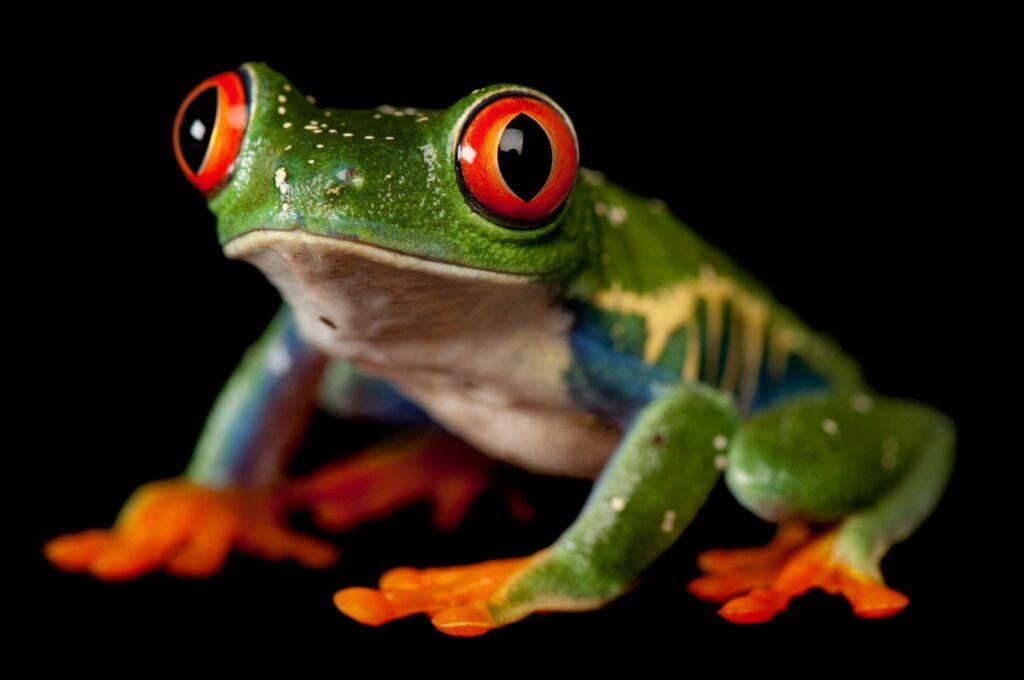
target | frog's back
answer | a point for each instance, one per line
(663, 306)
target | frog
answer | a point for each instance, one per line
(457, 274)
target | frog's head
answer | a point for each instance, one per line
(482, 188)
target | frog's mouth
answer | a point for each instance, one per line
(294, 246)
(352, 299)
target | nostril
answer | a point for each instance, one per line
(346, 177)
(349, 176)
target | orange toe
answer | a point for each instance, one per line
(723, 586)
(871, 600)
(759, 606)
(468, 621)
(75, 552)
(366, 605)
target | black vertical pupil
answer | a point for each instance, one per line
(197, 128)
(524, 157)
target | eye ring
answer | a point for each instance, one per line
(517, 159)
(207, 150)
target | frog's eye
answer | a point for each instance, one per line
(208, 130)
(516, 159)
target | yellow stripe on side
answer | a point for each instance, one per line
(668, 310)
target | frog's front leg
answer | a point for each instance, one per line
(871, 469)
(188, 525)
(656, 482)
(234, 494)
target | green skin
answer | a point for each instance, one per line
(874, 467)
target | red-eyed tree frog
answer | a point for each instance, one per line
(456, 273)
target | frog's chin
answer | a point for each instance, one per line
(287, 243)
(356, 300)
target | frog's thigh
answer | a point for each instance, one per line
(880, 464)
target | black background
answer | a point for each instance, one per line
(827, 166)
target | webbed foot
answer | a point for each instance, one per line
(187, 530)
(772, 584)
(458, 600)
(730, 572)
(372, 484)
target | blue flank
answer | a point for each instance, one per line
(609, 378)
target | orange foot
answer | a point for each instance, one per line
(456, 599)
(372, 484)
(767, 579)
(186, 530)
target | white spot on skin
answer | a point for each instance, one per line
(430, 159)
(720, 442)
(311, 126)
(286, 126)
(570, 545)
(281, 110)
(830, 426)
(861, 403)
(333, 131)
(389, 137)
(890, 447)
(319, 146)
(287, 87)
(377, 116)
(278, 359)
(387, 176)
(617, 503)
(281, 98)
(327, 114)
(281, 181)
(288, 148)
(617, 215)
(285, 207)
(347, 134)
(600, 208)
(317, 131)
(422, 119)
(368, 137)
(311, 161)
(721, 462)
(592, 177)
(311, 99)
(668, 523)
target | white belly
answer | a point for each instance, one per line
(552, 439)
(484, 354)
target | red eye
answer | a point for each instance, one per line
(208, 130)
(517, 159)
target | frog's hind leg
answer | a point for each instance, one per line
(655, 483)
(400, 471)
(872, 469)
